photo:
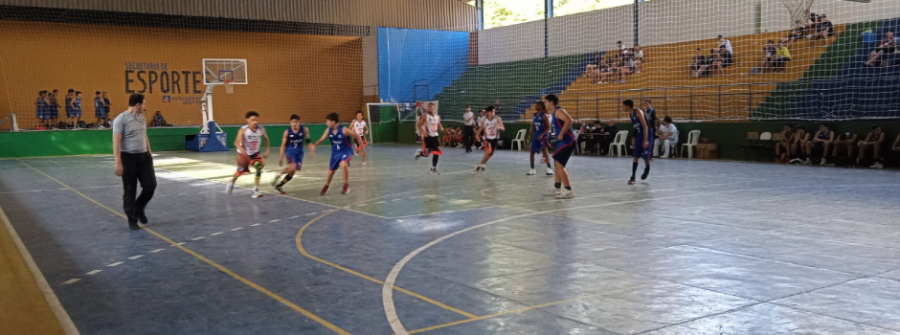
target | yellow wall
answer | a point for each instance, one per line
(288, 73)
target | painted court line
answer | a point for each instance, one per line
(157, 250)
(115, 264)
(236, 229)
(65, 322)
(218, 266)
(135, 257)
(294, 217)
(387, 291)
(197, 238)
(255, 224)
(71, 281)
(216, 233)
(93, 272)
(273, 221)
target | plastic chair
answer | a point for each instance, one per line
(619, 143)
(766, 136)
(520, 139)
(691, 144)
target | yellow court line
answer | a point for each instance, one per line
(524, 309)
(299, 242)
(246, 281)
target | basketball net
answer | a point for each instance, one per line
(229, 86)
(799, 11)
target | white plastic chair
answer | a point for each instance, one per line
(619, 143)
(766, 136)
(691, 144)
(520, 139)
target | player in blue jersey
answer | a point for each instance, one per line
(565, 146)
(540, 136)
(75, 112)
(641, 139)
(652, 123)
(341, 150)
(42, 114)
(291, 146)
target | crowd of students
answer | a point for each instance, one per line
(715, 63)
(47, 105)
(827, 147)
(617, 66)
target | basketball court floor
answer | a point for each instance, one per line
(700, 248)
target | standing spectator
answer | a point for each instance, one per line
(668, 137)
(824, 29)
(69, 97)
(800, 148)
(638, 58)
(821, 143)
(469, 128)
(782, 56)
(54, 109)
(768, 59)
(106, 108)
(76, 110)
(844, 141)
(99, 110)
(158, 120)
(726, 44)
(874, 140)
(783, 148)
(41, 110)
(134, 160)
(886, 46)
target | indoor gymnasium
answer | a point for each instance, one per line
(522, 167)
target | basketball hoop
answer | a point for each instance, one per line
(229, 86)
(799, 11)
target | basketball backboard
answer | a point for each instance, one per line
(219, 70)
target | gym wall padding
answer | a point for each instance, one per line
(309, 75)
(410, 56)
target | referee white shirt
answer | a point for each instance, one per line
(469, 118)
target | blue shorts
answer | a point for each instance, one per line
(100, 113)
(295, 157)
(563, 152)
(639, 150)
(538, 143)
(337, 158)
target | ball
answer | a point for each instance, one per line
(243, 160)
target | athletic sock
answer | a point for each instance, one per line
(286, 179)
(557, 185)
(434, 161)
(532, 165)
(633, 169)
(568, 188)
(548, 164)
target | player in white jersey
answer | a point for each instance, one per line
(430, 125)
(490, 128)
(362, 129)
(248, 142)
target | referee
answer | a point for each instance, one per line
(134, 162)
(469, 129)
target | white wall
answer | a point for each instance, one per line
(517, 42)
(592, 31)
(662, 22)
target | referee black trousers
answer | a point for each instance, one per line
(468, 137)
(137, 168)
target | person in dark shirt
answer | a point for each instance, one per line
(769, 53)
(611, 129)
(158, 120)
(824, 29)
(886, 46)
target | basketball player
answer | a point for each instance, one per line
(54, 109)
(341, 150)
(362, 129)
(42, 114)
(69, 97)
(540, 137)
(291, 144)
(249, 137)
(640, 141)
(429, 125)
(565, 146)
(76, 110)
(490, 128)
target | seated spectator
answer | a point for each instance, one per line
(589, 144)
(799, 32)
(604, 74)
(783, 148)
(638, 58)
(782, 57)
(895, 150)
(845, 142)
(610, 129)
(824, 29)
(874, 141)
(800, 147)
(821, 143)
(726, 44)
(620, 48)
(711, 64)
(622, 69)
(727, 58)
(593, 65)
(886, 46)
(668, 137)
(716, 62)
(769, 53)
(697, 61)
(158, 120)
